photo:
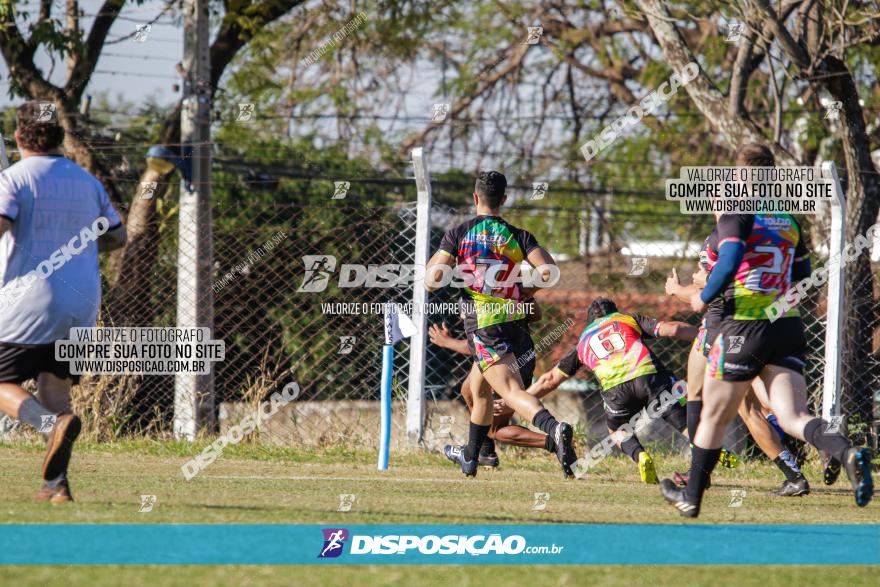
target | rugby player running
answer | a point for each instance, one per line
(759, 255)
(630, 375)
(750, 410)
(487, 251)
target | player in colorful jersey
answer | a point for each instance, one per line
(750, 410)
(612, 347)
(486, 253)
(759, 255)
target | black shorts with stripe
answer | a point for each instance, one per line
(742, 348)
(624, 401)
(492, 344)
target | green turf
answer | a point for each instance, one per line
(254, 484)
(431, 576)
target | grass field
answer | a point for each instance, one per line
(253, 484)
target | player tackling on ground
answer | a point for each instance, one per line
(46, 202)
(487, 252)
(631, 377)
(759, 255)
(502, 429)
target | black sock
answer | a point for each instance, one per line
(549, 444)
(693, 417)
(833, 443)
(786, 464)
(35, 414)
(488, 446)
(545, 422)
(703, 461)
(476, 436)
(632, 447)
(53, 483)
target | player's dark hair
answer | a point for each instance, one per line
(755, 155)
(491, 187)
(38, 128)
(599, 308)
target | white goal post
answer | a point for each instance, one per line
(415, 397)
(835, 301)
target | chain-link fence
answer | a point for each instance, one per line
(291, 308)
(628, 268)
(285, 313)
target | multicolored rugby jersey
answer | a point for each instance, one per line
(708, 258)
(481, 243)
(772, 245)
(612, 348)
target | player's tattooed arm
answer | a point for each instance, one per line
(442, 337)
(539, 258)
(435, 270)
(678, 330)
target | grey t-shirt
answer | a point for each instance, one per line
(49, 276)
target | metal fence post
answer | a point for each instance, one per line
(194, 394)
(415, 398)
(834, 314)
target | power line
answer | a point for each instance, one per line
(135, 74)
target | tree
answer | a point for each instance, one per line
(82, 52)
(241, 22)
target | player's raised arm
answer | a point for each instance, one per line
(675, 288)
(733, 230)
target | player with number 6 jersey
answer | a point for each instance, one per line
(612, 347)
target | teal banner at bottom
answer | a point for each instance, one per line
(562, 544)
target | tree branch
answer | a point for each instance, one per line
(83, 64)
(736, 130)
(19, 57)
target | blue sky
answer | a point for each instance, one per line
(127, 68)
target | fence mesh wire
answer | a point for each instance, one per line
(279, 307)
